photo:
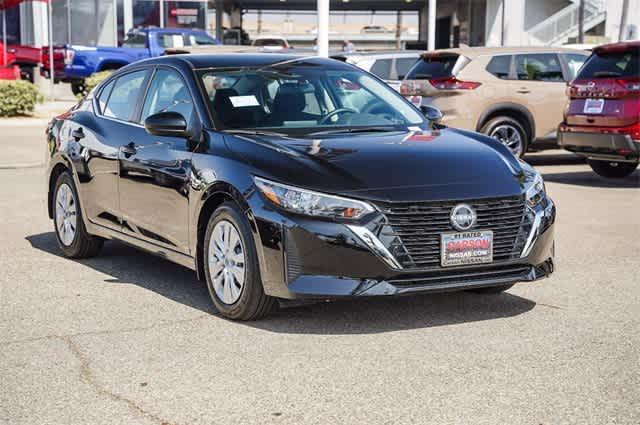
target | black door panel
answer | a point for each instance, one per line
(154, 187)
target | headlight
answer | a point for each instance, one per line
(302, 201)
(535, 189)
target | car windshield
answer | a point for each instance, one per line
(304, 96)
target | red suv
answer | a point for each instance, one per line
(602, 119)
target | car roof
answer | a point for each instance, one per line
(169, 30)
(231, 60)
(378, 54)
(472, 52)
(621, 46)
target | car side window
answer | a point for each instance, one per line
(500, 66)
(104, 96)
(200, 40)
(403, 65)
(539, 67)
(168, 41)
(167, 93)
(574, 63)
(382, 68)
(124, 96)
(135, 40)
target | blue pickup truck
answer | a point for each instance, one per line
(81, 61)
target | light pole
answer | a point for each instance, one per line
(431, 31)
(323, 28)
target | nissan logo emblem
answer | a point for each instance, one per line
(463, 217)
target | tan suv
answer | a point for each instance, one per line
(516, 95)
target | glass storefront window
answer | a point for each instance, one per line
(146, 13)
(185, 14)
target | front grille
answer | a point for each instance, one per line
(413, 231)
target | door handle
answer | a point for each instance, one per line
(129, 149)
(77, 134)
(523, 90)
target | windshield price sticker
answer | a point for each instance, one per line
(244, 101)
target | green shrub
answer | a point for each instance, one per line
(95, 79)
(18, 98)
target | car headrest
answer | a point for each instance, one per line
(290, 97)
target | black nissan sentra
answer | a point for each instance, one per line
(283, 177)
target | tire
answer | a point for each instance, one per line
(492, 289)
(613, 170)
(223, 255)
(509, 132)
(78, 243)
(79, 88)
(26, 73)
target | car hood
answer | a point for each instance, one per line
(394, 166)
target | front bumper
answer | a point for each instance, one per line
(600, 146)
(302, 258)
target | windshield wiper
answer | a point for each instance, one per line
(356, 130)
(254, 132)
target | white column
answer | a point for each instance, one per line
(161, 13)
(127, 6)
(431, 36)
(323, 28)
(52, 75)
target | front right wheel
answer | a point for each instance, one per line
(614, 170)
(231, 266)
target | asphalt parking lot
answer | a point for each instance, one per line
(130, 338)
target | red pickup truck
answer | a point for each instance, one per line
(25, 57)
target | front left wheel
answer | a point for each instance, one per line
(231, 266)
(73, 239)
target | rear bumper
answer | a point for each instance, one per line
(600, 146)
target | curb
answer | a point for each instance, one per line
(21, 166)
(24, 122)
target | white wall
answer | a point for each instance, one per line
(514, 21)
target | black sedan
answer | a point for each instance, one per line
(285, 177)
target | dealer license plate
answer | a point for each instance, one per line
(459, 249)
(593, 106)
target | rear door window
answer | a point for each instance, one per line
(433, 66)
(104, 96)
(382, 68)
(168, 41)
(612, 65)
(539, 67)
(403, 66)
(500, 66)
(124, 96)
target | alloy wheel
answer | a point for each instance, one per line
(227, 264)
(510, 137)
(66, 214)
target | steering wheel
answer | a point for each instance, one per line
(336, 112)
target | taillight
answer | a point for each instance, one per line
(631, 85)
(452, 83)
(68, 56)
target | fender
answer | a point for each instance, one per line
(508, 106)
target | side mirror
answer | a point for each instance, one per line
(432, 113)
(170, 124)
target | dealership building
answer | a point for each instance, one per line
(394, 22)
